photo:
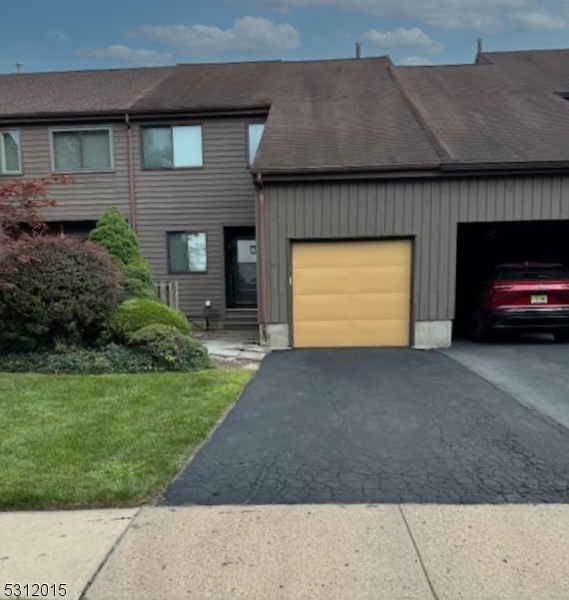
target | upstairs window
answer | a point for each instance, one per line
(187, 252)
(76, 150)
(255, 134)
(10, 153)
(178, 147)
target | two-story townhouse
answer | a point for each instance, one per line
(181, 176)
(348, 200)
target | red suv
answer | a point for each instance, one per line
(524, 297)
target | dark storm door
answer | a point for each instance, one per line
(243, 271)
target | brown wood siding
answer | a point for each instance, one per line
(429, 210)
(219, 195)
(92, 193)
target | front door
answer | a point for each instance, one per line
(241, 265)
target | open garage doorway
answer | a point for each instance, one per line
(484, 246)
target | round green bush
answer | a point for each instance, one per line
(55, 290)
(136, 313)
(169, 349)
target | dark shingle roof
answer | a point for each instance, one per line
(539, 70)
(213, 87)
(324, 115)
(341, 115)
(331, 114)
(76, 92)
(351, 115)
(489, 114)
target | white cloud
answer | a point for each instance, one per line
(281, 10)
(247, 36)
(540, 20)
(466, 21)
(415, 61)
(342, 35)
(414, 40)
(479, 15)
(125, 55)
(58, 35)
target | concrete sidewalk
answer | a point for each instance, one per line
(326, 552)
(337, 552)
(58, 547)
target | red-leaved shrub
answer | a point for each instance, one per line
(55, 290)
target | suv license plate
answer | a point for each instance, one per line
(539, 299)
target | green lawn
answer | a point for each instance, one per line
(84, 441)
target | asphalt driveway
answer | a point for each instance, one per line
(376, 426)
(533, 369)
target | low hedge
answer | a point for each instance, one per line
(112, 359)
(136, 313)
(169, 349)
(147, 356)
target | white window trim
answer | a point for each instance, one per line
(108, 128)
(3, 170)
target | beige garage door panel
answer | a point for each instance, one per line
(350, 254)
(352, 293)
(347, 334)
(351, 280)
(363, 307)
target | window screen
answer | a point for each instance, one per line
(78, 150)
(157, 148)
(10, 161)
(96, 150)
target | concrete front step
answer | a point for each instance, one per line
(241, 319)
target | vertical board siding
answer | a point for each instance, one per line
(427, 210)
(221, 194)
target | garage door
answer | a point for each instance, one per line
(351, 293)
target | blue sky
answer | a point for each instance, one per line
(49, 35)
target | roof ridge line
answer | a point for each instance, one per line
(438, 146)
(80, 71)
(151, 87)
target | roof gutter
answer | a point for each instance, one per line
(445, 169)
(61, 118)
(253, 111)
(333, 173)
(505, 167)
